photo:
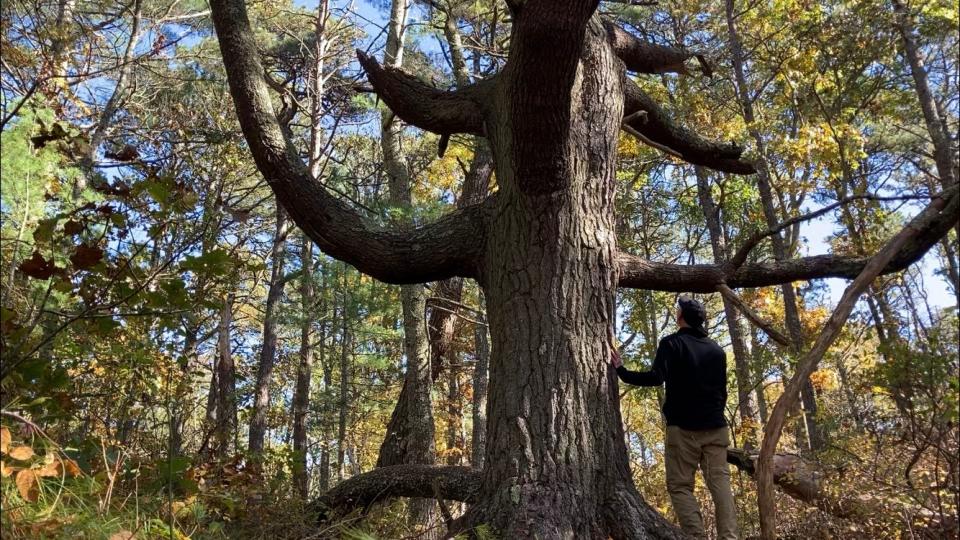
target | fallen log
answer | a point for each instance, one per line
(804, 481)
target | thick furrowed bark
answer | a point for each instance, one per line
(802, 480)
(555, 454)
(416, 481)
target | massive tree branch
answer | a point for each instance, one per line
(644, 57)
(657, 126)
(803, 480)
(445, 248)
(429, 108)
(417, 481)
(639, 273)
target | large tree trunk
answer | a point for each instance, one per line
(556, 465)
(268, 350)
(543, 249)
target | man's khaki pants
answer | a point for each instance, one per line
(707, 449)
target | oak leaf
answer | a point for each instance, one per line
(21, 453)
(85, 257)
(50, 469)
(37, 267)
(28, 485)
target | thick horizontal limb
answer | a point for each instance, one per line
(417, 103)
(657, 126)
(417, 481)
(639, 273)
(644, 57)
(445, 248)
(803, 480)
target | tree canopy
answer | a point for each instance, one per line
(356, 269)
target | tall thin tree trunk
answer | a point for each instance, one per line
(944, 150)
(126, 65)
(479, 400)
(346, 353)
(745, 400)
(301, 393)
(268, 350)
(791, 312)
(417, 445)
(456, 440)
(326, 415)
(226, 420)
(756, 350)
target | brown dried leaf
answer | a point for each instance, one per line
(21, 453)
(37, 267)
(5, 438)
(72, 227)
(28, 485)
(72, 468)
(86, 257)
(122, 535)
(50, 469)
(6, 470)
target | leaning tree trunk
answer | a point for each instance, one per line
(556, 465)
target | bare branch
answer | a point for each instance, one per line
(754, 317)
(656, 126)
(639, 273)
(429, 108)
(445, 248)
(741, 256)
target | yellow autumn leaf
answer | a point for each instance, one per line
(21, 453)
(122, 535)
(5, 470)
(28, 485)
(4, 439)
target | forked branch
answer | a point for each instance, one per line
(443, 249)
(657, 126)
(639, 273)
(417, 103)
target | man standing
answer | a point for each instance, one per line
(694, 369)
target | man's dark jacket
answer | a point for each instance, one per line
(694, 369)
